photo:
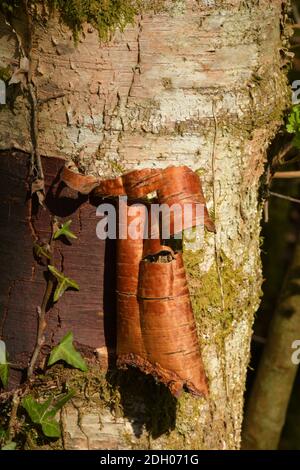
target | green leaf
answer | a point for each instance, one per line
(296, 141)
(63, 283)
(65, 351)
(41, 250)
(293, 122)
(4, 374)
(64, 230)
(38, 413)
(44, 413)
(3, 434)
(61, 402)
(51, 428)
(4, 365)
(9, 446)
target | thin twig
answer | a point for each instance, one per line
(290, 160)
(36, 157)
(36, 163)
(259, 339)
(286, 174)
(41, 311)
(266, 202)
(283, 196)
(42, 324)
(279, 158)
(19, 40)
(13, 415)
(266, 211)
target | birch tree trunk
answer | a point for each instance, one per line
(198, 83)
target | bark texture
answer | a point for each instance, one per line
(201, 84)
(23, 279)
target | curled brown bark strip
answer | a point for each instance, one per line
(170, 338)
(168, 326)
(174, 185)
(167, 377)
(139, 183)
(181, 186)
(80, 183)
(129, 255)
(156, 329)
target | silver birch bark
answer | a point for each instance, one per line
(200, 83)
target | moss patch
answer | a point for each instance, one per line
(211, 311)
(104, 15)
(5, 74)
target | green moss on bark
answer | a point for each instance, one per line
(5, 74)
(216, 308)
(104, 15)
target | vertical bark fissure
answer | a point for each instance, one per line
(216, 248)
(138, 59)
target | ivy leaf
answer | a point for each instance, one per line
(51, 427)
(65, 351)
(41, 250)
(63, 283)
(293, 122)
(296, 141)
(4, 365)
(3, 434)
(64, 230)
(44, 413)
(38, 415)
(9, 446)
(58, 404)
